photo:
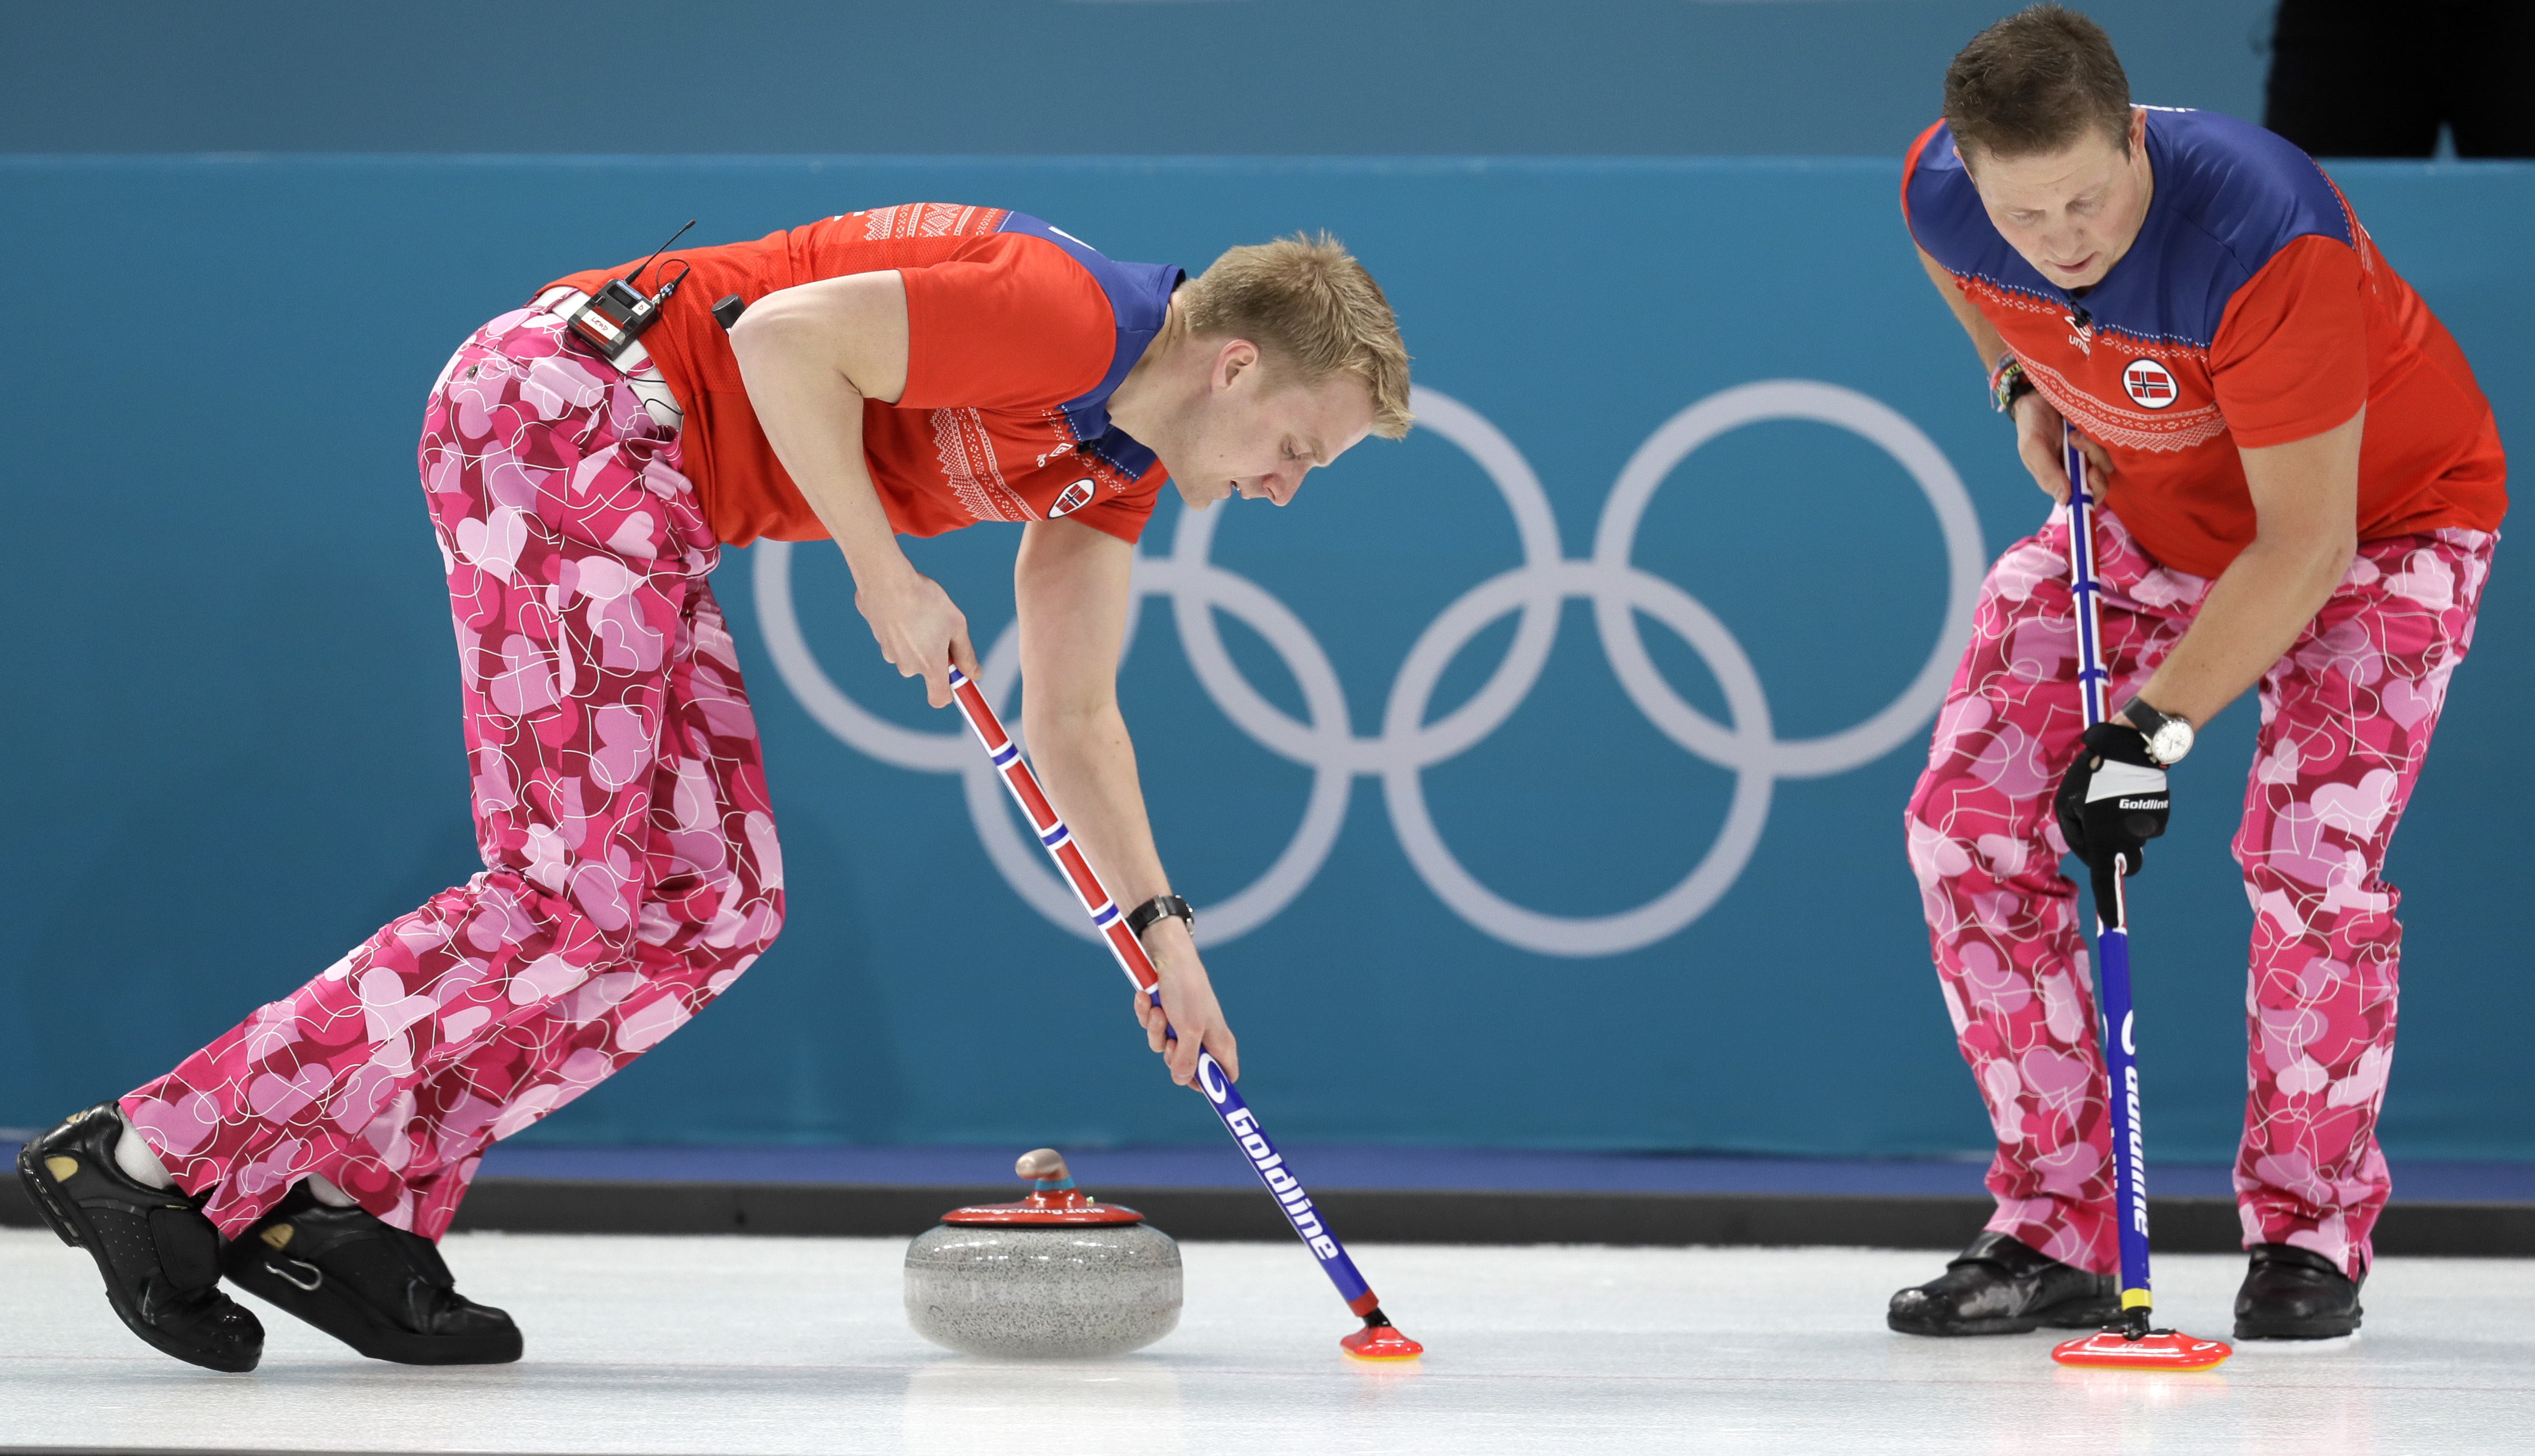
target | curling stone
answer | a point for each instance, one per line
(1057, 1274)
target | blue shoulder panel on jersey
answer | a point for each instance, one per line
(1140, 298)
(2229, 197)
(1947, 222)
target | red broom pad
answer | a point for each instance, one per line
(2157, 1350)
(1380, 1342)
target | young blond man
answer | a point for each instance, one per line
(903, 371)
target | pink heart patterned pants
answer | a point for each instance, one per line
(631, 871)
(2346, 718)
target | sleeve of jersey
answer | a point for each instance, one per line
(2290, 359)
(1910, 173)
(1011, 323)
(1125, 516)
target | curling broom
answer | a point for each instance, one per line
(1378, 1340)
(2130, 1344)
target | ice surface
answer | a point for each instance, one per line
(779, 1345)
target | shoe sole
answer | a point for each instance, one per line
(61, 1212)
(2260, 1346)
(352, 1321)
(2067, 1315)
(2302, 1329)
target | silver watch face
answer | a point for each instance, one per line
(2171, 741)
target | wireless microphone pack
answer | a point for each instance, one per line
(618, 313)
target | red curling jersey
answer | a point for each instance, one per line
(1018, 333)
(2253, 309)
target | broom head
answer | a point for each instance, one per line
(2157, 1350)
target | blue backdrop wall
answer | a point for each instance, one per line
(236, 749)
(1043, 77)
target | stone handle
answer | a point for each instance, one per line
(1044, 1164)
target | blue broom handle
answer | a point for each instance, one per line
(2112, 931)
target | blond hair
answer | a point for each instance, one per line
(1312, 308)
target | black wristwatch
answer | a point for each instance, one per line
(2168, 735)
(1142, 918)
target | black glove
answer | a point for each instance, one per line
(2111, 801)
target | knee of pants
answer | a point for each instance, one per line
(757, 865)
(721, 883)
(1929, 851)
(772, 922)
(757, 854)
(2254, 861)
(724, 921)
(1937, 856)
(723, 962)
(1922, 840)
(2246, 847)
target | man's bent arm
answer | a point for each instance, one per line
(810, 356)
(1071, 585)
(2037, 424)
(2306, 506)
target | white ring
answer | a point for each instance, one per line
(1895, 436)
(1600, 935)
(1406, 745)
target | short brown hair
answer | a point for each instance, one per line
(2036, 82)
(1314, 309)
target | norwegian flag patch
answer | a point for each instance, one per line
(2149, 383)
(1076, 497)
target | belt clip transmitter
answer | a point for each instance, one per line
(618, 313)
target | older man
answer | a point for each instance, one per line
(2302, 483)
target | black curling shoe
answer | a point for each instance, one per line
(160, 1257)
(376, 1287)
(2295, 1294)
(1999, 1286)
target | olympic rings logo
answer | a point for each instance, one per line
(1407, 745)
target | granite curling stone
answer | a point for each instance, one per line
(1057, 1274)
